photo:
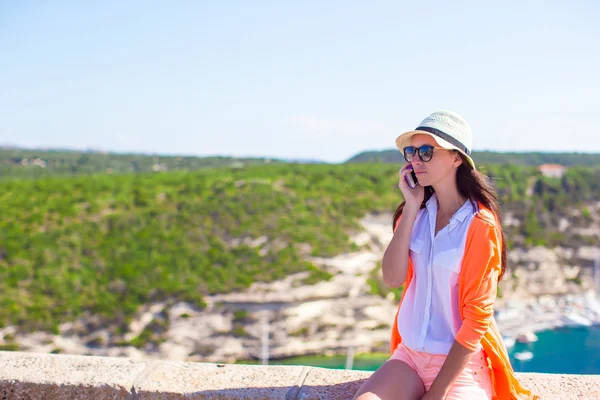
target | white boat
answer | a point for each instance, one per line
(509, 341)
(524, 355)
(527, 337)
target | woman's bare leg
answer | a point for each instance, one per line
(393, 380)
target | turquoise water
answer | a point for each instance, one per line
(564, 350)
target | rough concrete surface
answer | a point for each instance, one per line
(56, 376)
(48, 376)
(321, 383)
(220, 381)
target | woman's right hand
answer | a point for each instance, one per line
(412, 197)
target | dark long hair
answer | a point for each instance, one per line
(474, 186)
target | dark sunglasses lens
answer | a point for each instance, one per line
(409, 153)
(426, 152)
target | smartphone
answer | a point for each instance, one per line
(411, 179)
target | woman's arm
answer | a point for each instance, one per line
(482, 266)
(395, 259)
(394, 265)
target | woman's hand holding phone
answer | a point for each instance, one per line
(412, 196)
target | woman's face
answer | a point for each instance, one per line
(442, 166)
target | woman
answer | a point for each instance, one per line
(449, 252)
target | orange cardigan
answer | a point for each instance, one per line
(477, 283)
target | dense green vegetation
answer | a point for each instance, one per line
(23, 163)
(106, 244)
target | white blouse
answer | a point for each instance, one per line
(429, 316)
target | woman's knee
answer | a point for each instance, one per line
(393, 380)
(367, 396)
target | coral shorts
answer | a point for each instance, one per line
(475, 382)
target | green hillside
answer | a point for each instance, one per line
(489, 157)
(106, 244)
(24, 163)
(39, 163)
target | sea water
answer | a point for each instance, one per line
(573, 350)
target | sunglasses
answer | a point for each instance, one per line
(425, 152)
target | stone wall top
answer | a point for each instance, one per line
(57, 376)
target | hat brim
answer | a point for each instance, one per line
(404, 140)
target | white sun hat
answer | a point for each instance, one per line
(450, 131)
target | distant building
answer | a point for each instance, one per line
(39, 162)
(159, 167)
(552, 170)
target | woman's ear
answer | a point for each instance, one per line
(457, 160)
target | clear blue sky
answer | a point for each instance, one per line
(296, 79)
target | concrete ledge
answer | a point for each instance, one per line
(36, 375)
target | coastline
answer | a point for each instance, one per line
(523, 319)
